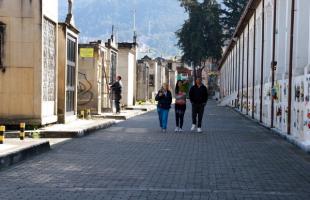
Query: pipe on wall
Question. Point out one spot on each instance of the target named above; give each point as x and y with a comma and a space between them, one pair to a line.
239, 71
290, 72
234, 71
247, 71
254, 60
262, 63
242, 73
273, 62
236, 66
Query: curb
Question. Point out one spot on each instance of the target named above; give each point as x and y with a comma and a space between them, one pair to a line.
140, 111
66, 134
76, 134
23, 154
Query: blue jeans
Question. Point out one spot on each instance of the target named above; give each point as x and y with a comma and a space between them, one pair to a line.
163, 117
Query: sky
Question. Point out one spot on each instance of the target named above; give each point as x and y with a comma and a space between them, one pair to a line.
156, 22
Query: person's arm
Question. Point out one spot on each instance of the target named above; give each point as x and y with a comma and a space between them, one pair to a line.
158, 97
170, 98
113, 86
191, 94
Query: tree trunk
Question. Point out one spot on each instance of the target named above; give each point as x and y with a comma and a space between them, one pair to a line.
195, 72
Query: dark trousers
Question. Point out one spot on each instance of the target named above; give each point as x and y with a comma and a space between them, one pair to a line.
179, 115
117, 106
197, 110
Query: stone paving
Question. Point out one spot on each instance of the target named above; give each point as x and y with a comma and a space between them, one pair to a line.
233, 159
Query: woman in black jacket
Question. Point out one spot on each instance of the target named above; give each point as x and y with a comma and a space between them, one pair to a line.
164, 99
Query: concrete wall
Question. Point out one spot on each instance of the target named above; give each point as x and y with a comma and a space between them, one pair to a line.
112, 48
21, 84
241, 70
153, 89
142, 81
127, 69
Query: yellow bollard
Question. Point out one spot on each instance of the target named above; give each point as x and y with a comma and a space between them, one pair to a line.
82, 114
2, 130
88, 115
22, 131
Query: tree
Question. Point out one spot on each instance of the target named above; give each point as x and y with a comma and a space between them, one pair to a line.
213, 29
200, 37
232, 12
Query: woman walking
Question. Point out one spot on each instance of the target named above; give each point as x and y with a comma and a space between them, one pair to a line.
164, 98
180, 106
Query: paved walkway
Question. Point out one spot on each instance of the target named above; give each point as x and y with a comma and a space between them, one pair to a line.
233, 159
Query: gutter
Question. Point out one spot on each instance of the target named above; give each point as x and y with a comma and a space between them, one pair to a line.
247, 72
239, 71
242, 74
254, 60
289, 117
273, 63
262, 64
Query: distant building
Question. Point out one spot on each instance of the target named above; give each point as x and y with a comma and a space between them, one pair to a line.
161, 73
184, 72
210, 75
143, 73
173, 73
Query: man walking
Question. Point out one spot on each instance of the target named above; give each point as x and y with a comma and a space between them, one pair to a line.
117, 93
198, 96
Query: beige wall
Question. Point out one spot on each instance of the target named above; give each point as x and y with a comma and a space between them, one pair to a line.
106, 98
92, 79
21, 83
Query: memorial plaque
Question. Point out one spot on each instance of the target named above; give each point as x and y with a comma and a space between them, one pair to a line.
49, 60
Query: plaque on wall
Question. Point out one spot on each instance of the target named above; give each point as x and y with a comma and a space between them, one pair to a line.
49, 60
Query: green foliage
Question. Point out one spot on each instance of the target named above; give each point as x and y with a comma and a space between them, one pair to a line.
35, 134
213, 29
232, 12
200, 37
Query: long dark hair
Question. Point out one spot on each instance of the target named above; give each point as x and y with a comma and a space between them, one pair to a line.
177, 88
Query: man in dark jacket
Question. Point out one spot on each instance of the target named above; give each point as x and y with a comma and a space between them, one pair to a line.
117, 93
198, 95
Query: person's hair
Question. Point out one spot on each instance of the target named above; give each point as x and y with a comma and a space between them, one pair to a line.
167, 85
119, 77
177, 88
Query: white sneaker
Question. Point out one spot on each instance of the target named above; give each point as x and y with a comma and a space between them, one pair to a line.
199, 130
163, 130
193, 127
180, 130
176, 129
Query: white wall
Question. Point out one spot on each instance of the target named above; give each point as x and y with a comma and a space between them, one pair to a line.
300, 108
